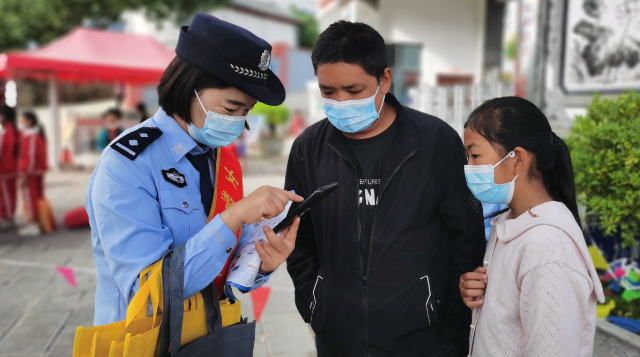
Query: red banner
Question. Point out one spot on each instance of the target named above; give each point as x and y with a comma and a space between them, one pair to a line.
227, 191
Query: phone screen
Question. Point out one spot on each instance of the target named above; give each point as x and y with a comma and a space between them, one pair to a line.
300, 209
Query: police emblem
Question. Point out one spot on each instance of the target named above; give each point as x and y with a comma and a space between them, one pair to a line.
178, 148
174, 177
265, 60
133, 142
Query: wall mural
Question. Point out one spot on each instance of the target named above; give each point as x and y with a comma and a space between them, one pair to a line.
601, 45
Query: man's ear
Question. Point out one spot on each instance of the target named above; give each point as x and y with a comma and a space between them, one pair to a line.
385, 81
522, 160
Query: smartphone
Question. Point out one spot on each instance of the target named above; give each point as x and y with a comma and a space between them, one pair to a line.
300, 209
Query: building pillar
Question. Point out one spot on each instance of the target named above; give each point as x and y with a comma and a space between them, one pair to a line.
54, 124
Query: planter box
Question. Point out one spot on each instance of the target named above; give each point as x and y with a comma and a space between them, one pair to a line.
271, 146
611, 340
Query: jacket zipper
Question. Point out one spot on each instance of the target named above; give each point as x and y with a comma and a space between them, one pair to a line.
365, 340
475, 316
373, 228
314, 303
366, 270
426, 305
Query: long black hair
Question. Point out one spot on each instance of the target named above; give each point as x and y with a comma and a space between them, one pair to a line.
8, 113
509, 122
33, 119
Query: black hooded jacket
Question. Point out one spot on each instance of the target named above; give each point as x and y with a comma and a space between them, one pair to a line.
427, 231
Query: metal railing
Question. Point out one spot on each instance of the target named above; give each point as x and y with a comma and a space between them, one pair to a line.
453, 104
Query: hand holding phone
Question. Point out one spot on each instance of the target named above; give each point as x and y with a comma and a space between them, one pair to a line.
310, 202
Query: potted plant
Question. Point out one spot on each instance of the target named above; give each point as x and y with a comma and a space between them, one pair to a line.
274, 117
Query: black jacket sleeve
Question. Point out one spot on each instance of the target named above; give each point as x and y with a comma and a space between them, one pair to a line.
463, 223
302, 264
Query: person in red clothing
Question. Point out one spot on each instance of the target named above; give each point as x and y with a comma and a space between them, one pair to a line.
297, 124
31, 167
9, 141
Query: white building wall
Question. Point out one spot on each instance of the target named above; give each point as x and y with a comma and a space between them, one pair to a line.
166, 32
272, 31
451, 32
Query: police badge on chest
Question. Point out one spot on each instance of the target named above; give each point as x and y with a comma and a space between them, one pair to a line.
174, 177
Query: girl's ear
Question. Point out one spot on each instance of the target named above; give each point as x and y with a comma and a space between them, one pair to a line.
522, 161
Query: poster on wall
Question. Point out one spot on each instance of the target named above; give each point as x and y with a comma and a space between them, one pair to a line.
601, 46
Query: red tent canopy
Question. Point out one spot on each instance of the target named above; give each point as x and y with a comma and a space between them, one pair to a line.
86, 55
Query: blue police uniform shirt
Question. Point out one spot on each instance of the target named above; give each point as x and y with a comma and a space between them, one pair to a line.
488, 209
137, 215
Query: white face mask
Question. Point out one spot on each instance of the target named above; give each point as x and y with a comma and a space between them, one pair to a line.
352, 116
219, 130
481, 182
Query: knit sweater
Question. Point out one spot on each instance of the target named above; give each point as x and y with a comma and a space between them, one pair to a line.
542, 288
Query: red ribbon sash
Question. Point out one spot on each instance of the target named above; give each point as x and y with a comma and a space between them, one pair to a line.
227, 191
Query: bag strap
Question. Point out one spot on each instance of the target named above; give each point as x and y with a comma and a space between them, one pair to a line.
166, 307
212, 307
173, 314
176, 297
148, 289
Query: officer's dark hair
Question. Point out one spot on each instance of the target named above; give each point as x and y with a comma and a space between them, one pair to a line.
351, 42
175, 91
8, 113
510, 122
33, 120
113, 111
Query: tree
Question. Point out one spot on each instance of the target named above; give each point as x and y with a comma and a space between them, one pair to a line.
308, 31
273, 116
41, 21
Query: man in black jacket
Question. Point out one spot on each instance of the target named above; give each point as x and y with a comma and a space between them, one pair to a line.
377, 263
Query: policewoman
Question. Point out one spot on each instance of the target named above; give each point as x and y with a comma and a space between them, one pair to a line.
171, 180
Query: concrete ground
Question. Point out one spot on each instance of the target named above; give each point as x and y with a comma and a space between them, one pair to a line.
40, 310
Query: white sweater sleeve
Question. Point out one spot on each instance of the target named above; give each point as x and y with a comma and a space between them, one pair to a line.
554, 310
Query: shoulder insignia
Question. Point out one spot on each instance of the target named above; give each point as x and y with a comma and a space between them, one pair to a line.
134, 143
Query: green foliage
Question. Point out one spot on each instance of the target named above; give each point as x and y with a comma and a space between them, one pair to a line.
511, 48
41, 21
629, 310
273, 115
605, 151
307, 32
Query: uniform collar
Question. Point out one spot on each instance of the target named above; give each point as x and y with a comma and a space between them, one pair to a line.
178, 141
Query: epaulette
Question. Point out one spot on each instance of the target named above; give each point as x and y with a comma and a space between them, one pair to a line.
134, 143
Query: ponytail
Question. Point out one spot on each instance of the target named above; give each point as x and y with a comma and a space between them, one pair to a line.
559, 178
509, 122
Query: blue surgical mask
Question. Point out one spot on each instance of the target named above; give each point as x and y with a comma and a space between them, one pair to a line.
352, 116
219, 130
481, 182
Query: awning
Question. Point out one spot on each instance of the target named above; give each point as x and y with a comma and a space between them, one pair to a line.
92, 55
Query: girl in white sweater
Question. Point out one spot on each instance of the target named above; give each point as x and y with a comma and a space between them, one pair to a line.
536, 293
